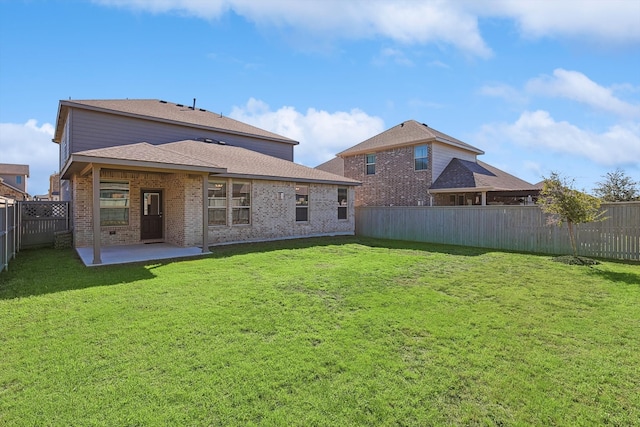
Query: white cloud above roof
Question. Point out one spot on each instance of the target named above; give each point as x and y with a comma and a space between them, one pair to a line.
321, 134
618, 145
446, 23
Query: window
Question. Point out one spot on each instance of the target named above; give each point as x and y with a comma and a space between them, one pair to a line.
342, 203
18, 179
302, 203
217, 203
114, 203
421, 157
370, 160
241, 203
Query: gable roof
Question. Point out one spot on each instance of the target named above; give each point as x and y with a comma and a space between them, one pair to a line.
463, 174
198, 156
335, 165
167, 112
406, 133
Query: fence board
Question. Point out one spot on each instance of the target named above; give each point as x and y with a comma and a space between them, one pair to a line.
8, 231
518, 228
39, 221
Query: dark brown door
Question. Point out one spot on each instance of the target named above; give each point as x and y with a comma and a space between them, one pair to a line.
151, 216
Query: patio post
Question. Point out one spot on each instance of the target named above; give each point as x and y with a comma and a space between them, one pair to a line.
205, 213
96, 215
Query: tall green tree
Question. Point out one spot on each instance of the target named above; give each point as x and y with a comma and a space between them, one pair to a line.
564, 204
617, 187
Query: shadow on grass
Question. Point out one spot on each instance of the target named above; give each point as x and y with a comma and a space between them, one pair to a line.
42, 271
618, 277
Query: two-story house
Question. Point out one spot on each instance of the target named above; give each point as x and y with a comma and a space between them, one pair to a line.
412, 164
13, 181
142, 171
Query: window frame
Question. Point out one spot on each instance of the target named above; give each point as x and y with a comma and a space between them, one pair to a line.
302, 202
370, 166
424, 160
241, 205
216, 208
343, 203
126, 208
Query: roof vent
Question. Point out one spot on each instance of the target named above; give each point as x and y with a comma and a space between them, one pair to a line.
202, 109
163, 102
179, 105
222, 143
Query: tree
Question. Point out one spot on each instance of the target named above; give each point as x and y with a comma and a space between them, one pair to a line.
617, 187
563, 204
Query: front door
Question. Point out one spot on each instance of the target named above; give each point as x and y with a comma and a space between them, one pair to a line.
151, 226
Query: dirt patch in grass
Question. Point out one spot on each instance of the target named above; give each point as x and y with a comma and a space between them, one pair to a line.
575, 260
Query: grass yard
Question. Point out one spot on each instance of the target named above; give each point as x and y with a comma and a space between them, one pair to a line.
320, 332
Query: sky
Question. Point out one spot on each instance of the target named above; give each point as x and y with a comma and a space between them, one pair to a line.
539, 86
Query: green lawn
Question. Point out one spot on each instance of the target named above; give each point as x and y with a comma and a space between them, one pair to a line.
338, 332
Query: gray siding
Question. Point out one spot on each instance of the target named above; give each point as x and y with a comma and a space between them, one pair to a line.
442, 155
91, 130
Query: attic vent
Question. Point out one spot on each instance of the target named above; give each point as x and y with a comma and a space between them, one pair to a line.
202, 109
208, 140
179, 105
424, 124
163, 102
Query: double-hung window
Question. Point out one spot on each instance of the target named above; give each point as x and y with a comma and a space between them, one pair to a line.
370, 164
420, 155
342, 203
217, 203
302, 203
114, 203
241, 202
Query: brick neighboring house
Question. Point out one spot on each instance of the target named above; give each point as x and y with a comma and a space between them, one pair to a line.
155, 171
412, 164
13, 181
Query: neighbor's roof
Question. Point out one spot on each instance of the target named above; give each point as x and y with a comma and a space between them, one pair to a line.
406, 133
12, 169
168, 112
464, 174
335, 165
198, 156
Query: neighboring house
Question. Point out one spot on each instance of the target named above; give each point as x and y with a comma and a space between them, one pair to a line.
13, 181
54, 187
150, 170
413, 164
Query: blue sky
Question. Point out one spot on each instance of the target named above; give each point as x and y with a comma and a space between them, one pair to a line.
540, 86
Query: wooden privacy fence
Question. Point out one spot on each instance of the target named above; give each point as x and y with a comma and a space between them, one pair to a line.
39, 221
516, 228
8, 231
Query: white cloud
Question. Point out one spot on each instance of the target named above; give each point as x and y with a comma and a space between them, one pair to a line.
30, 144
578, 87
321, 134
612, 21
619, 145
394, 55
404, 22
447, 23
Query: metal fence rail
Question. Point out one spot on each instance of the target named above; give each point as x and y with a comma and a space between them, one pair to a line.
517, 228
8, 231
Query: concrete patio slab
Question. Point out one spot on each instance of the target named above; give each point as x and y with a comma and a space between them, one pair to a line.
137, 253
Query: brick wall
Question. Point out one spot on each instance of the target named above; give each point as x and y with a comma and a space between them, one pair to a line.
271, 217
395, 183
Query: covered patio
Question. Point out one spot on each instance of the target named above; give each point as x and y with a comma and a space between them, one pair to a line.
122, 254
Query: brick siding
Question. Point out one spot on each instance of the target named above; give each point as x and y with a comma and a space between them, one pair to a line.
395, 183
271, 217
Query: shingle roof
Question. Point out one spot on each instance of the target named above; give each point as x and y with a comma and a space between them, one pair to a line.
242, 162
406, 133
154, 109
13, 169
201, 156
466, 174
335, 165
